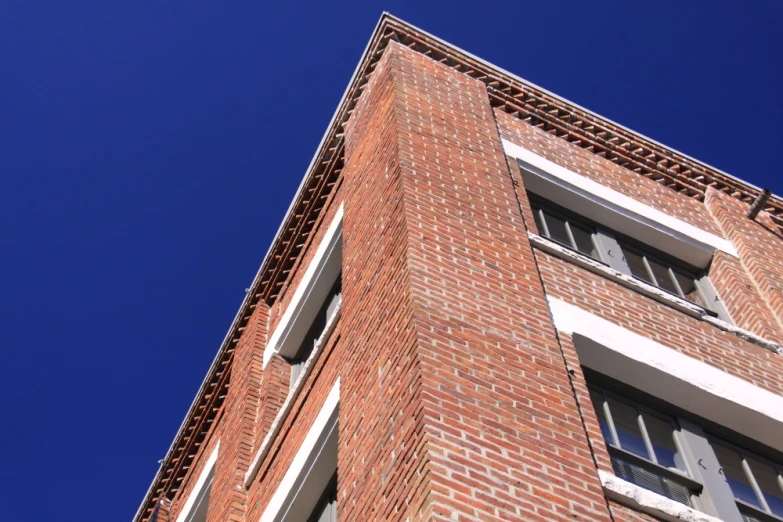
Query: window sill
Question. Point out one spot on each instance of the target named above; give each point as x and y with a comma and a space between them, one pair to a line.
282, 415
653, 292
648, 502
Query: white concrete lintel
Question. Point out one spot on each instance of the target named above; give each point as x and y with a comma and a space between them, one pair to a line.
635, 215
672, 376
309, 294
200, 483
276, 509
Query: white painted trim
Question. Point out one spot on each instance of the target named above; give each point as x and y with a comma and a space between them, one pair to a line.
618, 202
282, 497
649, 502
301, 308
672, 376
202, 479
266, 444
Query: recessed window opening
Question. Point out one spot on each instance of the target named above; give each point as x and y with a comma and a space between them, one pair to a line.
566, 231
315, 333
679, 456
643, 446
326, 509
626, 255
756, 483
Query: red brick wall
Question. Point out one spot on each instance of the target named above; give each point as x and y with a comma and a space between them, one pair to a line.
228, 497
760, 245
506, 439
383, 472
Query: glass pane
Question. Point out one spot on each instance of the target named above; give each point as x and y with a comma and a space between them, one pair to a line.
584, 241
731, 462
598, 405
767, 479
661, 434
689, 289
557, 229
636, 264
626, 424
662, 276
539, 223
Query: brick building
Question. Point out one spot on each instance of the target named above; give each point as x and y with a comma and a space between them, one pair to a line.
488, 303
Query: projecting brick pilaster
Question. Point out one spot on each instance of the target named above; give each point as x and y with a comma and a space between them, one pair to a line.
466, 405
238, 433
757, 307
382, 472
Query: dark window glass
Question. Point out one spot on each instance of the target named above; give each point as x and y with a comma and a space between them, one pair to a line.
769, 484
731, 462
584, 241
557, 229
640, 430
539, 222
626, 423
661, 435
688, 286
651, 481
636, 264
662, 276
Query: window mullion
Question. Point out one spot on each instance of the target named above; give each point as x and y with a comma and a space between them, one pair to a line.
653, 279
645, 435
676, 283
703, 465
542, 216
610, 420
611, 252
570, 235
753, 483
705, 288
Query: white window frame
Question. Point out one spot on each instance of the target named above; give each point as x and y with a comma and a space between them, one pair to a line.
309, 295
311, 469
203, 483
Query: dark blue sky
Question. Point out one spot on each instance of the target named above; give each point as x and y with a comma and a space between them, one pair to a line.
149, 150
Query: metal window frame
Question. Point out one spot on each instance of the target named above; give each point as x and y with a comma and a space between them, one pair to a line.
683, 477
609, 246
744, 453
695, 445
541, 210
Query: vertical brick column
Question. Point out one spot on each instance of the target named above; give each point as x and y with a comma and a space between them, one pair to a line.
506, 441
757, 306
382, 474
238, 430
455, 399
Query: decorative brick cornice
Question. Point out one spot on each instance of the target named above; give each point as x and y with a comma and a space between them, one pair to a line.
513, 95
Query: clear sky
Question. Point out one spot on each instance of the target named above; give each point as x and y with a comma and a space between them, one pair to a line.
149, 150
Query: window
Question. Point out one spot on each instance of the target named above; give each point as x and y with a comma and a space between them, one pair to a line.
566, 231
756, 483
315, 333
326, 509
679, 458
643, 446
626, 256
307, 491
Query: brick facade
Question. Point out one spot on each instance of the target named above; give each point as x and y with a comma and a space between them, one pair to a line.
459, 397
